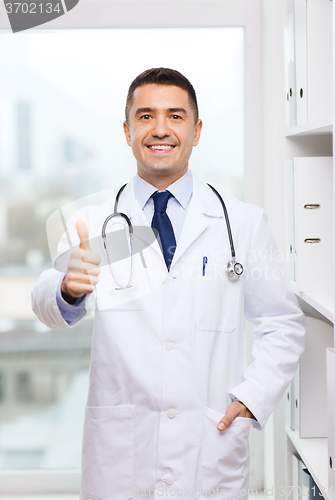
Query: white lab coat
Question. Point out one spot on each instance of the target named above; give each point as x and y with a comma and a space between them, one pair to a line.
167, 354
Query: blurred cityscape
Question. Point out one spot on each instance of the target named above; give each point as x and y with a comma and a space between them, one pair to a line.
62, 101
43, 388
48, 157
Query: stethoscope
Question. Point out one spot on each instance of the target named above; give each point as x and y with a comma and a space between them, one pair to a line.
233, 269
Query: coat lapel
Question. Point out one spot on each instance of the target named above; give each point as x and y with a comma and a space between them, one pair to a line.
202, 206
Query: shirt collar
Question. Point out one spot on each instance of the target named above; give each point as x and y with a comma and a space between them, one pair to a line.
181, 189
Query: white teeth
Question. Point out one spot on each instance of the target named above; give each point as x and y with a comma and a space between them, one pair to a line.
161, 147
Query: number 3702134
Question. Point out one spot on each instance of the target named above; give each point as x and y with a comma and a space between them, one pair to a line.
33, 8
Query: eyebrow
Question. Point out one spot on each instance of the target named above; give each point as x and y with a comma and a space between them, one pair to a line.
151, 110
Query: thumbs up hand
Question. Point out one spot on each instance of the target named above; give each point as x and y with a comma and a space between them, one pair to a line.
83, 270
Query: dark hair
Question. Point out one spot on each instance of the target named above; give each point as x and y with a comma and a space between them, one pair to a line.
163, 76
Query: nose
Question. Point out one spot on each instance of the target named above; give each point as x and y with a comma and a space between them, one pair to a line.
160, 127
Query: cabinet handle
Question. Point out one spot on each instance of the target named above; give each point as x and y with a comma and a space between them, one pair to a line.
312, 240
312, 206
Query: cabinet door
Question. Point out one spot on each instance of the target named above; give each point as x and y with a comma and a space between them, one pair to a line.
313, 212
319, 59
331, 421
313, 380
300, 24
290, 85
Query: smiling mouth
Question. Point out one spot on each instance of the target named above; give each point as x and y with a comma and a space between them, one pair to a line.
161, 147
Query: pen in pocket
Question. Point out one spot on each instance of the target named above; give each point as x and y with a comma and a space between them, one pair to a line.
204, 262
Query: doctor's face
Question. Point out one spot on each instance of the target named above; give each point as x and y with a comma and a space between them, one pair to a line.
161, 131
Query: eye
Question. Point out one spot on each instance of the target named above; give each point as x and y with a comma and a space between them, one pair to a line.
176, 117
145, 117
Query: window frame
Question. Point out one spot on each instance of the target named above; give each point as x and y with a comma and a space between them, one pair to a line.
110, 14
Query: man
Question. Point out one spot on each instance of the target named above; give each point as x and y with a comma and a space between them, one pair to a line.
169, 408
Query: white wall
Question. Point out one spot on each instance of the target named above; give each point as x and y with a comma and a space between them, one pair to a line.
273, 195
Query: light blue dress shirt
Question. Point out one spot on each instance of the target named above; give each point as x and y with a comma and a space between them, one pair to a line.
181, 190
177, 205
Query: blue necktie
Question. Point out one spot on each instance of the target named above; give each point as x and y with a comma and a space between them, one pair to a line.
162, 223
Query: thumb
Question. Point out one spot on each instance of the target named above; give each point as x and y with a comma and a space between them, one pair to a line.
231, 413
83, 234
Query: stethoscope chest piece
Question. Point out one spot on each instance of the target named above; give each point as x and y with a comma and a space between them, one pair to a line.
234, 270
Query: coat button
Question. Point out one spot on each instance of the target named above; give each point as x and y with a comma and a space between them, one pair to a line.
168, 346
171, 413
169, 480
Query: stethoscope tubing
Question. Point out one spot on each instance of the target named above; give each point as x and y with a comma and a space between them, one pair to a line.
234, 269
225, 211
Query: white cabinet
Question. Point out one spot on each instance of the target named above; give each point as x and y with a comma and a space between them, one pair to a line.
313, 58
319, 59
309, 388
308, 151
310, 223
331, 421
290, 83
300, 37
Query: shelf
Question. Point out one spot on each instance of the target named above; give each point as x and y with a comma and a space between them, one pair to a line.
319, 127
314, 453
323, 302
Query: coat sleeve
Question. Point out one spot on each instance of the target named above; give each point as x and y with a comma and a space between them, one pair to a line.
44, 293
279, 324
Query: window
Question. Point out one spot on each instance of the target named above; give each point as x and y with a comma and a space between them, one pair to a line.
2, 387
62, 106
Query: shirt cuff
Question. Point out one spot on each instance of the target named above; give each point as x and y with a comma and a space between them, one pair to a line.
69, 312
234, 398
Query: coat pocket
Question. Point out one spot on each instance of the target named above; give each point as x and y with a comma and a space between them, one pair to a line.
224, 459
108, 452
217, 303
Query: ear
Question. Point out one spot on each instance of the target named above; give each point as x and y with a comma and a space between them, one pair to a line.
127, 133
197, 132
